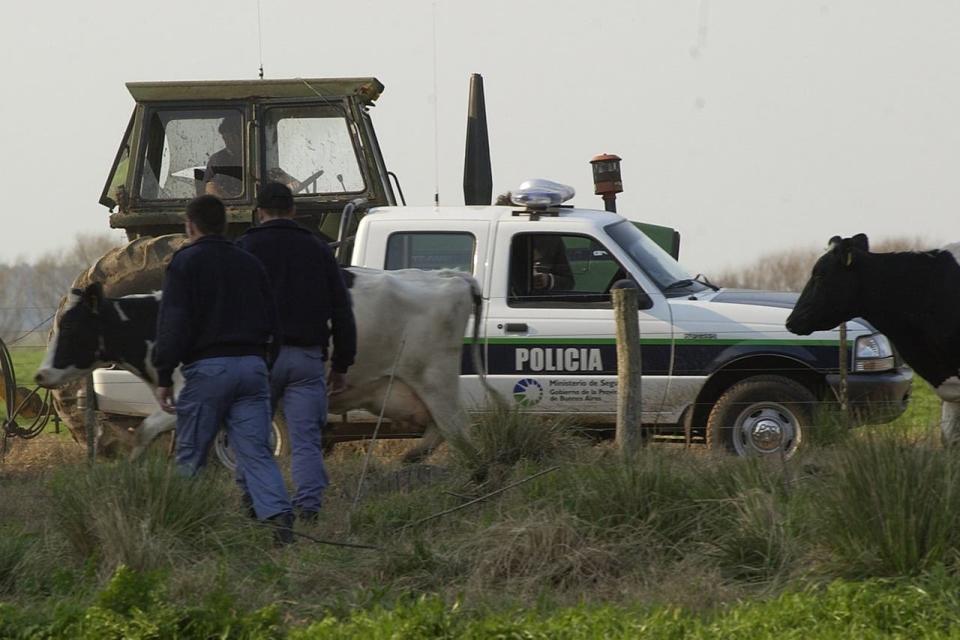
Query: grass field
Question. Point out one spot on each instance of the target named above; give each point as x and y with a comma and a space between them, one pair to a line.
856, 538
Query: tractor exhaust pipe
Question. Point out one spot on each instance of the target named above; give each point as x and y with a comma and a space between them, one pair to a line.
477, 175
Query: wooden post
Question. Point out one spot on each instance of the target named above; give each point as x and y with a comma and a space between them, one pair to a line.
844, 368
629, 437
90, 420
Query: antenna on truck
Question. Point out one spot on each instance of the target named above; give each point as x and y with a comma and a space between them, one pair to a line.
260, 38
436, 115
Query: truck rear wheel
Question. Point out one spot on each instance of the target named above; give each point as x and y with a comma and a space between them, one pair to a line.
761, 415
136, 267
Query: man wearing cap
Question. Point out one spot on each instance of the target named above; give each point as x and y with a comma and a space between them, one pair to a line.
313, 305
217, 317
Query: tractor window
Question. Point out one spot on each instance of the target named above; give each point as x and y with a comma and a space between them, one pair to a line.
553, 270
430, 250
311, 150
191, 152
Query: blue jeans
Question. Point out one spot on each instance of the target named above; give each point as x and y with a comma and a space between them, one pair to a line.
298, 379
234, 391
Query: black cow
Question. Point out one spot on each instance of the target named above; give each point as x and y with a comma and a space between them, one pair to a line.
911, 297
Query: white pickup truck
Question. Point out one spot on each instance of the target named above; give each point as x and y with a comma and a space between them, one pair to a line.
718, 364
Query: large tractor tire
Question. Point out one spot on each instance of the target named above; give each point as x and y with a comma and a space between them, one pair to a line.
136, 267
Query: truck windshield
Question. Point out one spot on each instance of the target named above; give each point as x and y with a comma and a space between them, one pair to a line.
669, 276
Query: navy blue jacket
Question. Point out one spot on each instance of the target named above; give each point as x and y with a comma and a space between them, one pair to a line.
216, 301
312, 298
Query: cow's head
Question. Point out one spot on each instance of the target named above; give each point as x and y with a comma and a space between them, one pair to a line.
77, 341
832, 294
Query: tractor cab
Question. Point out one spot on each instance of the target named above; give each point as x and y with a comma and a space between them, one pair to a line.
228, 138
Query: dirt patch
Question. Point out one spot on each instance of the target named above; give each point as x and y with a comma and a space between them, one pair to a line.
46, 451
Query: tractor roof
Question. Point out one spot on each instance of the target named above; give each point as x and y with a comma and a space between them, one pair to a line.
367, 89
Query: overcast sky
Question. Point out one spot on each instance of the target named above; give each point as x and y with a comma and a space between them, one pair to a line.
750, 125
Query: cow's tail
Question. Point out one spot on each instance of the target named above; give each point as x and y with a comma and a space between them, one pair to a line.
476, 349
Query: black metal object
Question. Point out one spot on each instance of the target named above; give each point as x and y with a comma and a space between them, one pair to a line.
8, 379
477, 174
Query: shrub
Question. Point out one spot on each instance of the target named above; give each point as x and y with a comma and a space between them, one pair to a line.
891, 505
504, 436
144, 515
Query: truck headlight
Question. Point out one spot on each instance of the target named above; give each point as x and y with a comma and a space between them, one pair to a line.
873, 353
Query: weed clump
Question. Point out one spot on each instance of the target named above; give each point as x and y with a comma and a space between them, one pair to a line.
144, 515
504, 436
892, 506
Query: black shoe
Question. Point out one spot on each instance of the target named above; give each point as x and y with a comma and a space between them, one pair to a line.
247, 503
283, 528
309, 517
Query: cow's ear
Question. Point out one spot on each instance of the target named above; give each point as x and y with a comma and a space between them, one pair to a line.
835, 243
860, 241
93, 295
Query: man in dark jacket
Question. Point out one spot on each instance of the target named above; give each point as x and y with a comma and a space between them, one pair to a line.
313, 302
217, 317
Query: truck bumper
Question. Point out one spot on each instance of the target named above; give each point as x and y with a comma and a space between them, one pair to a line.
875, 397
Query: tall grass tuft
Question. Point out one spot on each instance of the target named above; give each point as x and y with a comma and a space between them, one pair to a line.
144, 515
505, 436
892, 506
13, 549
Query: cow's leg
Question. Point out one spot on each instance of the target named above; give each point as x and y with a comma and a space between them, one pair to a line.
949, 392
950, 423
448, 422
152, 426
425, 446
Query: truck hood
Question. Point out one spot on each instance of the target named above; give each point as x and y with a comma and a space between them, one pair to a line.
763, 314
776, 299
783, 299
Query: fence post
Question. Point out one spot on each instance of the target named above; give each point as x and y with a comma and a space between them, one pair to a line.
844, 394
629, 426
90, 419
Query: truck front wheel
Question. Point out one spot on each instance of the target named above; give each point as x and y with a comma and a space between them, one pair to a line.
761, 415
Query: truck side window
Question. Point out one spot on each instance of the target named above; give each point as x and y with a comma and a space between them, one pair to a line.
430, 250
554, 270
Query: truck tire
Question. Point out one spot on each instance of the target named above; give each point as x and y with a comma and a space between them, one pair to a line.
136, 267
761, 415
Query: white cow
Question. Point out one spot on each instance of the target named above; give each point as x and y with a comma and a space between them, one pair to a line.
410, 327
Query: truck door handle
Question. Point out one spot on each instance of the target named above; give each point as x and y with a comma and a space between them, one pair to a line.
516, 327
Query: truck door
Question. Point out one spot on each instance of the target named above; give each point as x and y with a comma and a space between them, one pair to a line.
550, 328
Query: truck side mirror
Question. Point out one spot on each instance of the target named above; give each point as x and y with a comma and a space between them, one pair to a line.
644, 301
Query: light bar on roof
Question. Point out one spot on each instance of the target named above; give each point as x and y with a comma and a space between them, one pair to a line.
542, 193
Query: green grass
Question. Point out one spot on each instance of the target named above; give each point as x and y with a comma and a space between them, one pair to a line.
852, 537
135, 606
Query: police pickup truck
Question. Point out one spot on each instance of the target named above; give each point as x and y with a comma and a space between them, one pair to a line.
718, 365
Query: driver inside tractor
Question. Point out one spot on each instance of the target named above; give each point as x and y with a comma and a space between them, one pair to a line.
223, 176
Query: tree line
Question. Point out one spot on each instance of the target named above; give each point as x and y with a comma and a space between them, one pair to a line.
31, 290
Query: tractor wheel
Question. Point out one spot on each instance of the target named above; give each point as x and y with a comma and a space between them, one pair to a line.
136, 267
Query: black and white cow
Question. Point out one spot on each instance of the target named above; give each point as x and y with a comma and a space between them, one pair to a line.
911, 297
410, 324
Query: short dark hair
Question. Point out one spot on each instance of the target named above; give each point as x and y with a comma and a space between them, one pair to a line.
208, 214
230, 122
275, 197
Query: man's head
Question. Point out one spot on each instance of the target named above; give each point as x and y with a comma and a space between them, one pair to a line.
275, 200
230, 129
205, 215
